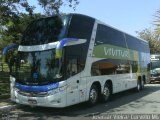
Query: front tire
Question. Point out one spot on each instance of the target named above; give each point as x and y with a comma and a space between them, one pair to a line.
138, 87
93, 95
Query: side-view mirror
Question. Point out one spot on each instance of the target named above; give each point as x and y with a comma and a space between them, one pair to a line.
67, 42
6, 49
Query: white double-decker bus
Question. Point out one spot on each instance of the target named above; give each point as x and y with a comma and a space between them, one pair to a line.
69, 59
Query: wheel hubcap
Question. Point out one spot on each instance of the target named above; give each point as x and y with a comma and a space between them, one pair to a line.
106, 92
138, 86
93, 95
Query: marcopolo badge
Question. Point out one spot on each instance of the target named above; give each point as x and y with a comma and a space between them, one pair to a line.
35, 75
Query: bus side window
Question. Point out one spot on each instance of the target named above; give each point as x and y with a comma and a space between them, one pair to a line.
95, 70
72, 68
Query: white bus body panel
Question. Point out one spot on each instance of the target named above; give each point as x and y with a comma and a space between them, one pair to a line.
55, 97
69, 92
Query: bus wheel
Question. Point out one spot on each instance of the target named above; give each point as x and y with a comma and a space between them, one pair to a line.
138, 88
93, 95
142, 84
106, 93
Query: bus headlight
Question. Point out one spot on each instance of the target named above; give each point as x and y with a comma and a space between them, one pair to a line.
52, 92
58, 90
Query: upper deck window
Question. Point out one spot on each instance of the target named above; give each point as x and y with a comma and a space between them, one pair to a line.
45, 30
108, 35
81, 27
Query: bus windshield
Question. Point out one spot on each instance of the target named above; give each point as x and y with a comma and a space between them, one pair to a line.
45, 30
37, 68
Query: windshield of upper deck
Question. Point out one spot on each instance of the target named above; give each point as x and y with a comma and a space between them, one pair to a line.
45, 30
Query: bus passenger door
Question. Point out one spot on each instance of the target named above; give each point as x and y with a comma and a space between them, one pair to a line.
72, 81
82, 89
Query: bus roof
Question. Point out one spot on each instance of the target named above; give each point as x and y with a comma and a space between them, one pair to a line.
108, 26
100, 23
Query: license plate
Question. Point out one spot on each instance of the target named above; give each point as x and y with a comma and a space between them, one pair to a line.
31, 101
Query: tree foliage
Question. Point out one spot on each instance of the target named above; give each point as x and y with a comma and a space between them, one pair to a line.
12, 8
12, 31
15, 15
153, 38
52, 6
157, 22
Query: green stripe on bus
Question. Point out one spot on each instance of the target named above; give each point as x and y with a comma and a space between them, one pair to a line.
114, 52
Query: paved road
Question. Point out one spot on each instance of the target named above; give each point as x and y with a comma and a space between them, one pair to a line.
124, 105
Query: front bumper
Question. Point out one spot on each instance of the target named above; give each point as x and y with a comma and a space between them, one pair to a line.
54, 98
57, 100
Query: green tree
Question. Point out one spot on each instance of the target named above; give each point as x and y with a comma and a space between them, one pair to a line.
16, 14
12, 8
153, 38
52, 6
157, 22
12, 31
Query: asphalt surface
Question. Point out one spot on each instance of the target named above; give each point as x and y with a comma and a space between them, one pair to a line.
125, 105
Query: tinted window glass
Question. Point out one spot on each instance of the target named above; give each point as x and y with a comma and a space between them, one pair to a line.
81, 27
37, 68
108, 35
45, 30
136, 44
74, 61
134, 66
110, 67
